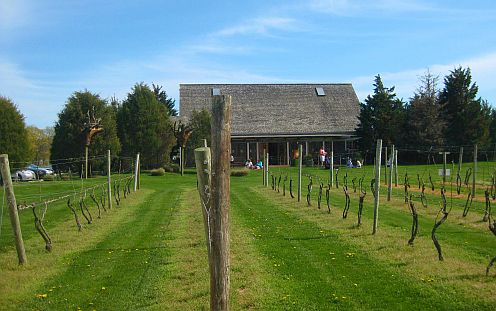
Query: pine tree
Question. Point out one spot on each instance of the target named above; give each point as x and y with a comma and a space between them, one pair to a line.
200, 122
424, 125
464, 115
382, 116
162, 98
144, 127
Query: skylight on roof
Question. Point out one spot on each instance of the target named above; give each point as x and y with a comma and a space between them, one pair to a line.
320, 91
215, 92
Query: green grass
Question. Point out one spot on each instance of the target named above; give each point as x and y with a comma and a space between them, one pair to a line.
150, 252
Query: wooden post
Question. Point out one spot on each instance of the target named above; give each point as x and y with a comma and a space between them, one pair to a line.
396, 167
139, 173
258, 156
109, 181
203, 163
181, 162
220, 201
390, 174
11, 202
136, 172
444, 153
331, 165
460, 160
378, 152
444, 168
86, 163
264, 168
474, 171
247, 150
300, 164
267, 170
385, 166
306, 148
288, 157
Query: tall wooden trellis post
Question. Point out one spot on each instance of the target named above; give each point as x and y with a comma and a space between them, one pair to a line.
213, 169
300, 164
474, 171
377, 183
11, 201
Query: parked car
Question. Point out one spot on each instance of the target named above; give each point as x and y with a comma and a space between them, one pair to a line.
40, 171
24, 175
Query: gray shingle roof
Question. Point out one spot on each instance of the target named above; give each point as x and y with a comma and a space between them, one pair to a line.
280, 109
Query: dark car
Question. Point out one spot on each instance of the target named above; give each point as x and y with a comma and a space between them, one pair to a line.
40, 171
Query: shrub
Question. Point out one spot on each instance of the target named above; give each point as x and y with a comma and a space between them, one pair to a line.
239, 173
49, 178
157, 172
308, 160
171, 168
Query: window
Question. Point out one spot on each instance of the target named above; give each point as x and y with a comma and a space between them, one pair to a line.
215, 92
320, 91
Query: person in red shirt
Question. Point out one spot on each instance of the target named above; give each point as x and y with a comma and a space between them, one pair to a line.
322, 155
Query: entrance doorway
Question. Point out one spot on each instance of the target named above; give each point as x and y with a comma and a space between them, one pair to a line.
277, 154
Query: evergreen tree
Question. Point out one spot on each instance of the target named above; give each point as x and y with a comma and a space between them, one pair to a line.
13, 134
144, 127
69, 139
464, 114
382, 116
162, 98
424, 125
200, 122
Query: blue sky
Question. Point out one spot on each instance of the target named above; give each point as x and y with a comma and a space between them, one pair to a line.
49, 49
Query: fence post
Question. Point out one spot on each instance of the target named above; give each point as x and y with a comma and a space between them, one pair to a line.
474, 173
460, 160
444, 153
396, 167
300, 162
267, 171
139, 173
264, 167
390, 174
181, 162
11, 202
378, 152
385, 166
136, 172
86, 162
220, 201
203, 163
331, 166
109, 180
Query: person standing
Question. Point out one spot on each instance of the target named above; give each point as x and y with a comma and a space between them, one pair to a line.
322, 155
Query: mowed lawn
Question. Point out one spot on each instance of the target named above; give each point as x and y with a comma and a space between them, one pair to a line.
150, 253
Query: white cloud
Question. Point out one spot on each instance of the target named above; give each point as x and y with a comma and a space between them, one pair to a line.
259, 26
355, 7
483, 69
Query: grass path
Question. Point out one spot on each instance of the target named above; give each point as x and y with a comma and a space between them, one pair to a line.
321, 270
150, 254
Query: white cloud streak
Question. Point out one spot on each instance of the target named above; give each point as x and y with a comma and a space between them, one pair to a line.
258, 26
356, 7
